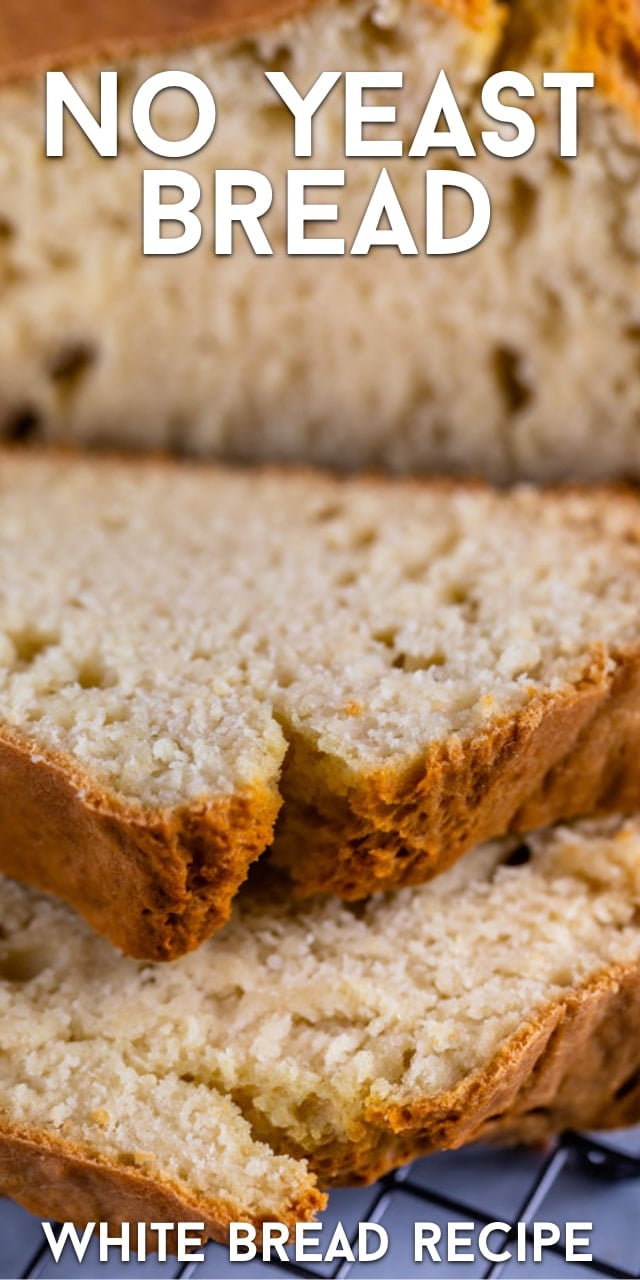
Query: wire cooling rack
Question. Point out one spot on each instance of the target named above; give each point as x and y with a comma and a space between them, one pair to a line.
583, 1178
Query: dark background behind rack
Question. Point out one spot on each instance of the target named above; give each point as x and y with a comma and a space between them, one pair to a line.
583, 1178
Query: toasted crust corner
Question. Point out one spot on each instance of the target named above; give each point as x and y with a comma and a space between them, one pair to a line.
606, 40
53, 1178
155, 884
570, 753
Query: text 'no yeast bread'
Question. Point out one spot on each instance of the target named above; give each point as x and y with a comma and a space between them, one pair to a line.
396, 670
137, 1091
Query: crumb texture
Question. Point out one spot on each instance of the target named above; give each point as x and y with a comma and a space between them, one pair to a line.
168, 628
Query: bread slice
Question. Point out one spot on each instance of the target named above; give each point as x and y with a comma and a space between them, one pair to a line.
500, 1001
407, 669
88, 1132
543, 318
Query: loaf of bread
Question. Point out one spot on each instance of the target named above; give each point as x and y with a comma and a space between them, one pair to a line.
400, 670
518, 359
510, 1010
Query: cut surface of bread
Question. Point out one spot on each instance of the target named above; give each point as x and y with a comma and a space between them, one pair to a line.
86, 1135
403, 669
500, 1001
505, 361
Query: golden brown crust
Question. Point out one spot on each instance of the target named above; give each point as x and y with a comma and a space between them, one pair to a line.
606, 40
55, 1179
575, 1064
601, 36
56, 32
566, 754
155, 883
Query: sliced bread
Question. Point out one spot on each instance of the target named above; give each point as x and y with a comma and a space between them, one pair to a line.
408, 669
517, 359
86, 1133
501, 1001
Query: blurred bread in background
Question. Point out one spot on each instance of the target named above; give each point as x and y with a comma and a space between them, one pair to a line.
519, 358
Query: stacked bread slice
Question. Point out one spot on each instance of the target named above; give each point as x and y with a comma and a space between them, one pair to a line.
390, 672
318, 1042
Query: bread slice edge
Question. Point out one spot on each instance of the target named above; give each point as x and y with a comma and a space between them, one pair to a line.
55, 1178
568, 753
155, 883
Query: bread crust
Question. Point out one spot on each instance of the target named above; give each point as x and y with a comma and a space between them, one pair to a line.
568, 753
605, 38
575, 1064
156, 884
62, 32
54, 1178
601, 36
